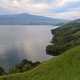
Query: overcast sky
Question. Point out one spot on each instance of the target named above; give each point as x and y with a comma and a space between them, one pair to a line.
67, 9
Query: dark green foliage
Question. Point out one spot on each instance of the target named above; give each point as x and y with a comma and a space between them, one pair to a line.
25, 65
2, 72
64, 37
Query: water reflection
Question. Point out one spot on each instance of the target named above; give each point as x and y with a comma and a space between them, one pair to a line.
19, 42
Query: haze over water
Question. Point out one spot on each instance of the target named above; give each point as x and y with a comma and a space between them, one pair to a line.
19, 42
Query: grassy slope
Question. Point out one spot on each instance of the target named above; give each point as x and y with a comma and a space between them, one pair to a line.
63, 67
64, 38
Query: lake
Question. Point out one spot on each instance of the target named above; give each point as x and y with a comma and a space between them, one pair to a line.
20, 42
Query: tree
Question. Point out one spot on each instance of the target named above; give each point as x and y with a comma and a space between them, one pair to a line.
2, 72
24, 65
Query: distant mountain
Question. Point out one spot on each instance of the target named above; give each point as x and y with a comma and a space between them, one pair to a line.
27, 19
76, 21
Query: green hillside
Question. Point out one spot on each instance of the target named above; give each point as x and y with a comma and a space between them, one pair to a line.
65, 46
64, 38
63, 67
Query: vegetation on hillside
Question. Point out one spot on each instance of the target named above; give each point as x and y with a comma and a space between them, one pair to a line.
24, 65
63, 67
64, 38
2, 72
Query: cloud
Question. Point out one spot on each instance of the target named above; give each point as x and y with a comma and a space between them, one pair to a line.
67, 8
63, 3
25, 5
65, 15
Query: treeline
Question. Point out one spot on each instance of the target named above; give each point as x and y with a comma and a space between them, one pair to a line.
64, 38
23, 66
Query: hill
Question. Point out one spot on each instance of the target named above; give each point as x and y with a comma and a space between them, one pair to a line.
63, 67
64, 38
28, 19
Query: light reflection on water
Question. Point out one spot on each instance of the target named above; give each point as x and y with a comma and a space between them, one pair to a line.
19, 42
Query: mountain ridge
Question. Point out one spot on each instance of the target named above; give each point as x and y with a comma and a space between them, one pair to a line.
28, 19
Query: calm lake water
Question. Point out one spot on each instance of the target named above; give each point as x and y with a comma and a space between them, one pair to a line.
19, 42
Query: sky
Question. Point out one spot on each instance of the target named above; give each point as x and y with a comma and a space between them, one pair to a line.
63, 9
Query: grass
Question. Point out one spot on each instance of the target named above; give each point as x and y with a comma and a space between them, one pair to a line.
63, 67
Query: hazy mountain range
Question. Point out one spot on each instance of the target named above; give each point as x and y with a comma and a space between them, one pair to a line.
28, 19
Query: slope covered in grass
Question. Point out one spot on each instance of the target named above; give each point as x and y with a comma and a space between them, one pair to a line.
64, 38
63, 67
